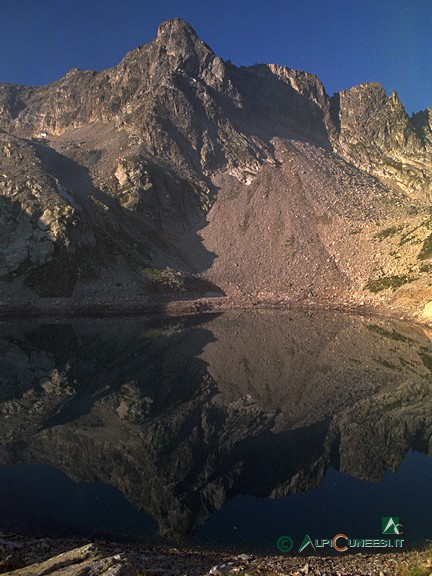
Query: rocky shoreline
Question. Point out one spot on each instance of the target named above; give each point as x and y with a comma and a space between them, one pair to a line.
21, 556
68, 307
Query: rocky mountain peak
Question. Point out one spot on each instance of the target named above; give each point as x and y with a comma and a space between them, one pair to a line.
180, 161
176, 27
377, 135
186, 52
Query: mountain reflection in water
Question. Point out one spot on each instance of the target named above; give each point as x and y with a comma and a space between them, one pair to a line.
184, 414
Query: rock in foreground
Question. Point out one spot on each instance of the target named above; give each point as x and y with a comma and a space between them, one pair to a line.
103, 559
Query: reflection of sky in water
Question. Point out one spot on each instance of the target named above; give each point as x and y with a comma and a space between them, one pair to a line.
201, 419
339, 504
42, 500
39, 499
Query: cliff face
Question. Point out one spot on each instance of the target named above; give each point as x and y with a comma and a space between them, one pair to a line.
377, 135
178, 172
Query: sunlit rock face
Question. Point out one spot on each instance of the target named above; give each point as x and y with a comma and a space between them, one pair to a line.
377, 135
176, 174
183, 415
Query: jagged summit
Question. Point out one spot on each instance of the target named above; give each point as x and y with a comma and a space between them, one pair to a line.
177, 27
182, 45
175, 170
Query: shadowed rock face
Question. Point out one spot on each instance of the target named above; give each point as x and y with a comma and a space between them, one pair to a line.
178, 414
177, 172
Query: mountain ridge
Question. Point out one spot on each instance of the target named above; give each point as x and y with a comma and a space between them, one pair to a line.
158, 174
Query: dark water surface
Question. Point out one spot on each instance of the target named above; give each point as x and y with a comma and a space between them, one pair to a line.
219, 430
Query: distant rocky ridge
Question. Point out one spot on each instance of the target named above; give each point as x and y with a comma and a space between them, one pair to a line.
176, 173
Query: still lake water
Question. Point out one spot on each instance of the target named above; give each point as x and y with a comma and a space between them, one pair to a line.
216, 430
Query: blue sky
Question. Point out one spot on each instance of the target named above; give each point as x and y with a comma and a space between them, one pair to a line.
344, 42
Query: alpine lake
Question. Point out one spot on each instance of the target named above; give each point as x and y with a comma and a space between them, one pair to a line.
256, 431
